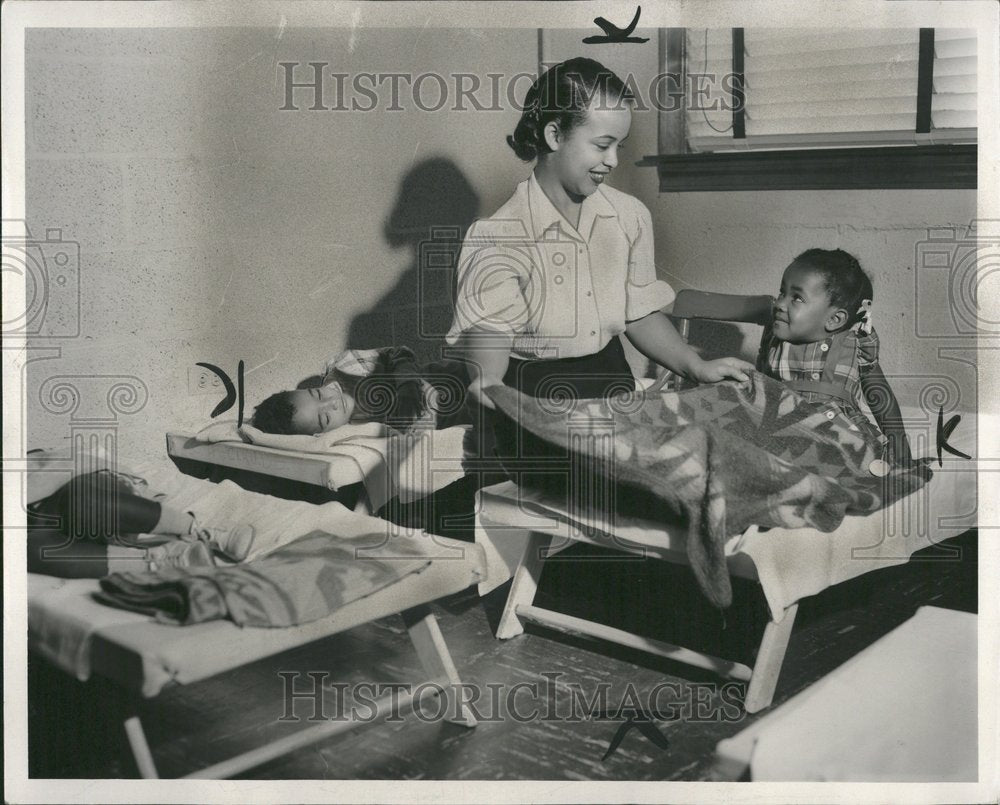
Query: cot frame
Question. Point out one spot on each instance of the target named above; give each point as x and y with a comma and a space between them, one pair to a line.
219, 460
762, 677
425, 634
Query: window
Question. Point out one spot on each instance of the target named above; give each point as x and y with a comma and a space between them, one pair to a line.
809, 109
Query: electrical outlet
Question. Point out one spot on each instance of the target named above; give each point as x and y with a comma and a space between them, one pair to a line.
204, 381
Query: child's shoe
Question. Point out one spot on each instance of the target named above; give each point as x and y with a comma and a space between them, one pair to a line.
180, 554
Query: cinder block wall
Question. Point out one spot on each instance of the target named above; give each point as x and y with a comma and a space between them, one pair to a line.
213, 226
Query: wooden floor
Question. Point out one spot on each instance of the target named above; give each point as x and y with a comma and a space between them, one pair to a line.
74, 728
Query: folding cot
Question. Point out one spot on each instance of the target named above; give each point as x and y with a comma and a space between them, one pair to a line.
362, 472
83, 637
520, 528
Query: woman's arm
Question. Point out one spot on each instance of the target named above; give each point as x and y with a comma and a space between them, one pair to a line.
878, 393
656, 338
487, 354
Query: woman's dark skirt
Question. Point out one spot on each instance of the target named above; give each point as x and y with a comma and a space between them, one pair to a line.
530, 461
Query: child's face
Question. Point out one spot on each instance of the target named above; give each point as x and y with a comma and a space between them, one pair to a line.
589, 152
322, 409
802, 312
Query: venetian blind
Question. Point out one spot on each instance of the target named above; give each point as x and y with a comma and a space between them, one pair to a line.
821, 88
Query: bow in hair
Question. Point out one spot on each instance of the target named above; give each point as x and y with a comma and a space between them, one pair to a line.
865, 311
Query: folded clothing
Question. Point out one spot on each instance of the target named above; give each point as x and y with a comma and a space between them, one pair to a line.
307, 579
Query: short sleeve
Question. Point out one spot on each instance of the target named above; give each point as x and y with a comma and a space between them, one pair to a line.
867, 349
644, 293
488, 294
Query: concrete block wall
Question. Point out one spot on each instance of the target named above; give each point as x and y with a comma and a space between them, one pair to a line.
215, 227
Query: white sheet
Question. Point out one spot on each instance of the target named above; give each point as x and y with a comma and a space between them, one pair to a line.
790, 563
63, 617
276, 521
903, 710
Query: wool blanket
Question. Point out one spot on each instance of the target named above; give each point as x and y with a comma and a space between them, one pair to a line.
307, 579
716, 458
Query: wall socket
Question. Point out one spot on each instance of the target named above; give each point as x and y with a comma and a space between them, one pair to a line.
204, 381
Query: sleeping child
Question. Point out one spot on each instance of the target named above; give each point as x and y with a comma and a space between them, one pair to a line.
821, 344
377, 385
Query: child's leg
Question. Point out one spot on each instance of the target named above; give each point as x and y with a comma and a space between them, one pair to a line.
99, 507
51, 555
173, 522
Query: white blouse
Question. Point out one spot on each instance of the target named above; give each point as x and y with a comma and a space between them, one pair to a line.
560, 292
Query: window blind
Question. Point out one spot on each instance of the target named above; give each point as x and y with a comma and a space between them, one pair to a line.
822, 88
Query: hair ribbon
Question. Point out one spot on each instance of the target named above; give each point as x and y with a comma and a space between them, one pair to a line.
865, 311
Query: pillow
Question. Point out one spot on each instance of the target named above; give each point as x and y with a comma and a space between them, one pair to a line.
319, 443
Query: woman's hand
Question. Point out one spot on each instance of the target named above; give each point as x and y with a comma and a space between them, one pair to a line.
721, 369
656, 338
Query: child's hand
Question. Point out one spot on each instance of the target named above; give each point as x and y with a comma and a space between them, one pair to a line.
722, 369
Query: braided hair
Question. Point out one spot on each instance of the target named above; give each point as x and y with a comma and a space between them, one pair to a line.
563, 94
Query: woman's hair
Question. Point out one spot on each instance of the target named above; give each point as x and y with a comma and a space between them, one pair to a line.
563, 94
846, 282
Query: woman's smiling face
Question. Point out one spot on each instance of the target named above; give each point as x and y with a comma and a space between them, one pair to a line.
583, 158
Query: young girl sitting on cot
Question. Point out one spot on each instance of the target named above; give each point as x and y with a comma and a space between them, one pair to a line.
103, 522
821, 344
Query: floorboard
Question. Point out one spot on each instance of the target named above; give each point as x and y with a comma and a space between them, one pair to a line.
74, 728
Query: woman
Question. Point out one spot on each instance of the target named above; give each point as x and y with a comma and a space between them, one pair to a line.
548, 283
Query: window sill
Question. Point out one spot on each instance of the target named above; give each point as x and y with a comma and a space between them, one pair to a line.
932, 167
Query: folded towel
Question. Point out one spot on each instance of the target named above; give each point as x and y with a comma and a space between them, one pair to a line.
307, 579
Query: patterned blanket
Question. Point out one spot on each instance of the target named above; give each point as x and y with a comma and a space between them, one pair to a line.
303, 581
717, 458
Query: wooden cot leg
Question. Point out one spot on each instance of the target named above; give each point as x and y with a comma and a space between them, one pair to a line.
140, 748
425, 634
525, 584
770, 656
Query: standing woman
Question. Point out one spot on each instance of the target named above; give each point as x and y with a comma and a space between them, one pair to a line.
549, 283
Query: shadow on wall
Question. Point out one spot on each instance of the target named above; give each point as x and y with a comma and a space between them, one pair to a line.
434, 208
